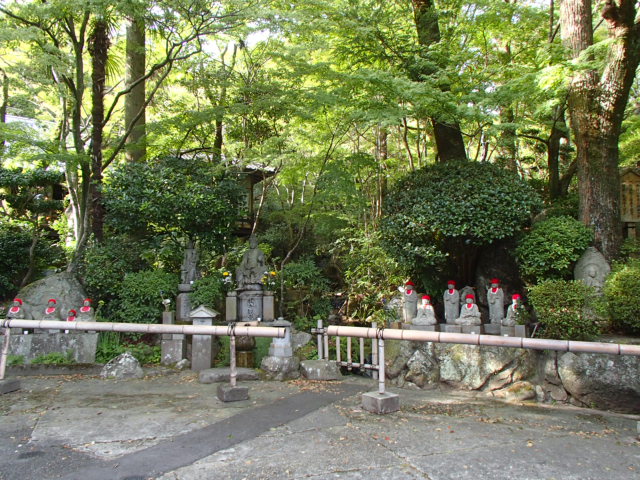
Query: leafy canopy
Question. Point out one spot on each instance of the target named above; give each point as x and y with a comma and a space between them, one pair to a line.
184, 197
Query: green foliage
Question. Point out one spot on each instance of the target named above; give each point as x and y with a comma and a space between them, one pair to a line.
306, 285
566, 309
145, 354
141, 294
564, 207
208, 291
110, 345
471, 202
188, 198
261, 350
13, 360
549, 250
371, 276
15, 243
106, 264
621, 294
54, 358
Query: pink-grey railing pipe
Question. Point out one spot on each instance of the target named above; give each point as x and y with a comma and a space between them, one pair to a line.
217, 330
487, 340
231, 330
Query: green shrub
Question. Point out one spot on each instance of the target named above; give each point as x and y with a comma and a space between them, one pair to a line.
106, 264
306, 286
110, 345
566, 309
620, 291
208, 291
54, 358
144, 353
15, 360
551, 248
141, 294
439, 209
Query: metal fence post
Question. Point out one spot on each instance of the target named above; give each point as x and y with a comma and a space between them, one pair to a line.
374, 352
319, 330
381, 366
5, 352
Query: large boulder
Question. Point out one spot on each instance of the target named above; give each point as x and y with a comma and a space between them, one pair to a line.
483, 368
320, 370
64, 287
280, 368
602, 381
122, 367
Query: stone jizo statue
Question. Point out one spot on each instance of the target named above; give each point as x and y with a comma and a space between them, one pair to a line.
512, 312
451, 299
87, 314
252, 267
469, 313
409, 301
16, 310
495, 299
426, 314
51, 311
592, 268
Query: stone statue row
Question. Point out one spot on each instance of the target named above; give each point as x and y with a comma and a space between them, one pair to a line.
460, 307
52, 312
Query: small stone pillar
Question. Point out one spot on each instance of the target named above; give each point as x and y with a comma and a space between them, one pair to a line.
268, 310
174, 345
231, 311
202, 345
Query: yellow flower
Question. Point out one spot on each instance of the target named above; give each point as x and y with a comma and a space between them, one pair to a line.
273, 274
225, 274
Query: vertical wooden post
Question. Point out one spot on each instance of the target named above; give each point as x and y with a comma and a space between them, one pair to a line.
374, 352
232, 360
381, 366
5, 352
320, 354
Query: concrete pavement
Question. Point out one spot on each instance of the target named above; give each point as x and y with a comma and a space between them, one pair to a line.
173, 428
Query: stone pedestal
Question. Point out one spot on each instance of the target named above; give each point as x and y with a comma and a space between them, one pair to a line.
201, 345
424, 328
9, 385
375, 402
521, 331
183, 307
174, 345
475, 329
250, 305
281, 347
245, 359
227, 393
492, 329
281, 364
448, 328
508, 331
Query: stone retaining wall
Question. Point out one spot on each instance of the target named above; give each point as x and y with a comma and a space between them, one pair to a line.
83, 345
591, 380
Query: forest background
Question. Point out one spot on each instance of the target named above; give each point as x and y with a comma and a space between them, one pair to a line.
396, 140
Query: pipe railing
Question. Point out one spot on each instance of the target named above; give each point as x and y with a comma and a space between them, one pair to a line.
382, 334
231, 331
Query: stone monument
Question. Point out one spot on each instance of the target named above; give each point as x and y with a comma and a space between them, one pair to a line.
425, 319
16, 310
281, 364
202, 352
409, 302
188, 275
592, 268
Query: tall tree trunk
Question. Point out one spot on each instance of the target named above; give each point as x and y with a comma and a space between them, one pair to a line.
446, 132
136, 149
99, 50
558, 132
3, 109
596, 106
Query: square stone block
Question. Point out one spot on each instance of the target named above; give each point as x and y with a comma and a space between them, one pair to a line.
521, 331
492, 329
475, 329
9, 385
508, 331
172, 351
448, 328
375, 402
227, 393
